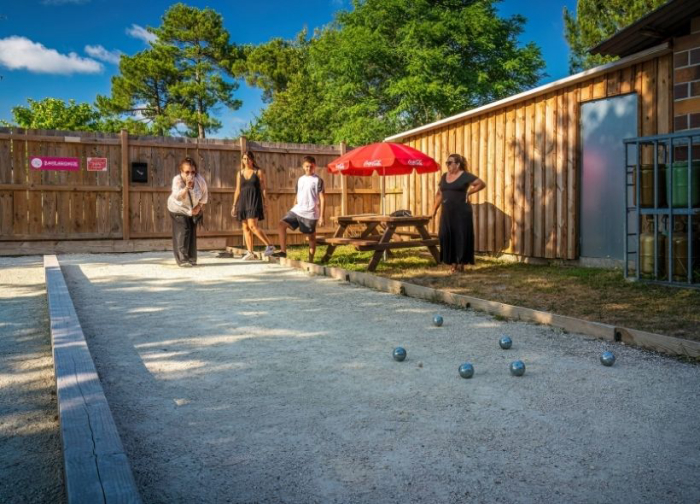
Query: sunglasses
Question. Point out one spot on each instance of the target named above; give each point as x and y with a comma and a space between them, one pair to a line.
448, 163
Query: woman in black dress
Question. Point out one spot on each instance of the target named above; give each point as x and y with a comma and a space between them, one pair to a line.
456, 224
249, 203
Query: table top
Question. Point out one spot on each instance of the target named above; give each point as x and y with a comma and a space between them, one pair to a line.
414, 219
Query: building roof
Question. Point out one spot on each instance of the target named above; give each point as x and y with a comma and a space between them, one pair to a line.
650, 53
670, 20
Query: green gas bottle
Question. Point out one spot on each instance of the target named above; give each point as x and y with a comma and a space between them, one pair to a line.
678, 194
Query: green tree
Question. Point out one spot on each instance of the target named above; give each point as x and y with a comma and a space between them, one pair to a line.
272, 65
142, 90
133, 126
55, 114
389, 65
596, 21
202, 55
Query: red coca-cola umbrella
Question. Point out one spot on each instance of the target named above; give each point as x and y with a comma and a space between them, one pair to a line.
386, 159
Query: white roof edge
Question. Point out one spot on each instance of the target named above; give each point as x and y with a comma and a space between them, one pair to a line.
566, 81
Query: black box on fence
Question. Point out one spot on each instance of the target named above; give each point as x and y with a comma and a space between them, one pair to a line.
139, 172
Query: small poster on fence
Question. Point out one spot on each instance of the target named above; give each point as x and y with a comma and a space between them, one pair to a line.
54, 163
97, 164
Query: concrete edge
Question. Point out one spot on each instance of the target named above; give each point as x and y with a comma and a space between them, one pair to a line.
95, 466
51, 247
669, 345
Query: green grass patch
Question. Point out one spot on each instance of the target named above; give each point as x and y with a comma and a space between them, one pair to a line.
597, 294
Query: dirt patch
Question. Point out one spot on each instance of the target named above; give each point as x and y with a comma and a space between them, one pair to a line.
247, 382
31, 463
599, 295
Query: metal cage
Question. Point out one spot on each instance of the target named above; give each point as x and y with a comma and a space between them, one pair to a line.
660, 199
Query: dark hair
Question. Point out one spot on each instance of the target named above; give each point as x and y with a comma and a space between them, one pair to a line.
461, 161
251, 156
309, 159
188, 160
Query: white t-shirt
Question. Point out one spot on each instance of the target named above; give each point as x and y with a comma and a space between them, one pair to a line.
199, 194
308, 189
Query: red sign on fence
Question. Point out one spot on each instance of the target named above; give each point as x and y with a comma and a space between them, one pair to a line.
55, 163
97, 164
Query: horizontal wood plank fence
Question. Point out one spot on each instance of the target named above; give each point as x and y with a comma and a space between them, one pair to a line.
105, 205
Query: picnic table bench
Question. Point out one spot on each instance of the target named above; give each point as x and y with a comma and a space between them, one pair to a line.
377, 235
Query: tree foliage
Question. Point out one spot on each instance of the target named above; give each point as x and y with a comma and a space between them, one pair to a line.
142, 89
181, 79
202, 57
390, 65
56, 114
271, 66
594, 22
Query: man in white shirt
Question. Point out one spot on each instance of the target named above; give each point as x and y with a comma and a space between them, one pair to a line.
308, 210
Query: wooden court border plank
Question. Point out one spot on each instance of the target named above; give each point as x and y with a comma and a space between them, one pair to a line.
96, 468
661, 343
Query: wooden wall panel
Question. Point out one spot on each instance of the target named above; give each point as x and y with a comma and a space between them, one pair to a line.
550, 178
509, 213
483, 175
528, 155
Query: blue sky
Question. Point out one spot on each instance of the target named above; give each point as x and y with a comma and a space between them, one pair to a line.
71, 46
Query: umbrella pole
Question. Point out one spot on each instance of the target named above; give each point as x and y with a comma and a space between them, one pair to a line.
383, 202
383, 190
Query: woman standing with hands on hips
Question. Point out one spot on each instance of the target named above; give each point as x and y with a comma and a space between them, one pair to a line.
185, 205
250, 202
456, 223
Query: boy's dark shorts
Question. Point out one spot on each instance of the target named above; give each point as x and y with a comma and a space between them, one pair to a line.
306, 226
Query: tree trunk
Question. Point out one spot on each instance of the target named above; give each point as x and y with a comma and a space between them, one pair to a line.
200, 126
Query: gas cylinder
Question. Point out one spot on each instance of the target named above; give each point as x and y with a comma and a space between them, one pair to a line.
647, 186
678, 194
646, 243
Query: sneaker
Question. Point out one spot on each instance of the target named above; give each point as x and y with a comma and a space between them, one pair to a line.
279, 254
269, 251
249, 257
185, 265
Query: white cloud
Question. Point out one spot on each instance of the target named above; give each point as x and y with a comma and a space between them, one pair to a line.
64, 2
17, 53
140, 32
100, 53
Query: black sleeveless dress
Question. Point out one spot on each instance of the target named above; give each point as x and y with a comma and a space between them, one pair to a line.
250, 203
456, 223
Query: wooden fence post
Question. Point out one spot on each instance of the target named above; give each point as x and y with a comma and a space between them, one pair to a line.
244, 145
124, 136
343, 185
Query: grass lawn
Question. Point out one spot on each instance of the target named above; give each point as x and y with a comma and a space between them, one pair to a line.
595, 294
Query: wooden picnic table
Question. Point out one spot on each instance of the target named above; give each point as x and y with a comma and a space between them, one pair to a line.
377, 235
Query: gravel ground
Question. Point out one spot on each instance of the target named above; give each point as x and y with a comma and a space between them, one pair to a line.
31, 465
249, 383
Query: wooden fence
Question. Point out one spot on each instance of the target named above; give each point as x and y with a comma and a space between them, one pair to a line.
89, 205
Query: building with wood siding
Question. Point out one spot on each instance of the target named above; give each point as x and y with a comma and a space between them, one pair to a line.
528, 148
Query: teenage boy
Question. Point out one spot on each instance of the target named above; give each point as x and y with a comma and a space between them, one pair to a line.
308, 210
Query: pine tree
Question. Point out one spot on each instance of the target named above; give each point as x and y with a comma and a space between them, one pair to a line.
202, 56
142, 89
